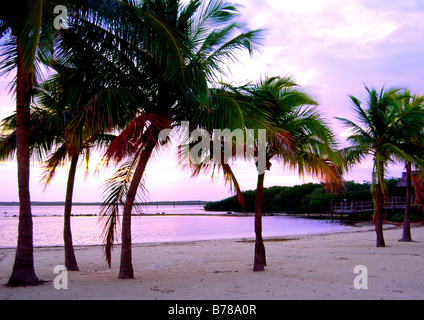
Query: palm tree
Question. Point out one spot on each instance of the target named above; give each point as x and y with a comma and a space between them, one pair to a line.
109, 32
79, 99
101, 89
380, 135
70, 100
301, 140
231, 111
28, 31
202, 32
412, 120
295, 135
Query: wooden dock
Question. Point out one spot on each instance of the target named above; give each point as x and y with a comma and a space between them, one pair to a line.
353, 207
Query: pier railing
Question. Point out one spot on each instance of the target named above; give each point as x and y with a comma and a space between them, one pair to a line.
352, 207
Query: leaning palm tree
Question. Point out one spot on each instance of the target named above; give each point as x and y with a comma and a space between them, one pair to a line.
204, 35
27, 30
100, 31
378, 134
121, 37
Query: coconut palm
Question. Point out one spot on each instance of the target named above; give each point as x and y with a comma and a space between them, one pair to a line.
87, 16
380, 133
301, 140
231, 113
27, 29
295, 135
120, 37
209, 31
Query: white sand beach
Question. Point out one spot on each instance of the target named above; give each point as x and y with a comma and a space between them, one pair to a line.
302, 267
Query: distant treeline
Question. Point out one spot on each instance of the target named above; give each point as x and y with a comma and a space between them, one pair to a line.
154, 203
306, 198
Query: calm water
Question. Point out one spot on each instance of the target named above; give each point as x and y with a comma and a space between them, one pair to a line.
86, 230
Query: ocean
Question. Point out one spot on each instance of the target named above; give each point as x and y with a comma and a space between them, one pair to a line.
162, 223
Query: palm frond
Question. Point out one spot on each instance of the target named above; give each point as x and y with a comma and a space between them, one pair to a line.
319, 167
229, 50
7, 147
56, 159
115, 192
134, 136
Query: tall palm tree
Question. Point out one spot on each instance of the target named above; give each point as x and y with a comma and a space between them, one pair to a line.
101, 89
120, 37
205, 35
301, 140
379, 134
295, 135
28, 31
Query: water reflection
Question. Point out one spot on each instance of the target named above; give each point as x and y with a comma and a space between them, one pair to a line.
48, 225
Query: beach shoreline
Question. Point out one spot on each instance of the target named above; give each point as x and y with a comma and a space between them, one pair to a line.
317, 266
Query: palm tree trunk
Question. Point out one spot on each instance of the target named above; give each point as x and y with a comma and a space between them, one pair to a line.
379, 216
70, 260
406, 235
23, 268
419, 193
126, 269
260, 257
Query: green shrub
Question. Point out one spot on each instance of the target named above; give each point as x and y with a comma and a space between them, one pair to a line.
305, 198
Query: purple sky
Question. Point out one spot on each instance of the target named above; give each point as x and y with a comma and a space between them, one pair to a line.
333, 47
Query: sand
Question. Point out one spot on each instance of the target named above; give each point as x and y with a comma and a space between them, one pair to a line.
302, 267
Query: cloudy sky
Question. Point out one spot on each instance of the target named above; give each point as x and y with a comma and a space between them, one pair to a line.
333, 47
